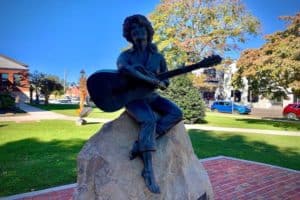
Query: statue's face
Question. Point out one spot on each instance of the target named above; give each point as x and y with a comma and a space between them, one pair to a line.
138, 33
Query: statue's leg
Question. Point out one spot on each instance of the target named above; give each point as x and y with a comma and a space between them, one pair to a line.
170, 115
143, 114
135, 151
148, 172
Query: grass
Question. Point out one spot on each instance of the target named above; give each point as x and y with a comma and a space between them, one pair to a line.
71, 110
212, 118
37, 155
272, 149
65, 109
244, 121
97, 113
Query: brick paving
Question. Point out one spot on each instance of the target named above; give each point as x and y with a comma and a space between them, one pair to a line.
231, 179
237, 179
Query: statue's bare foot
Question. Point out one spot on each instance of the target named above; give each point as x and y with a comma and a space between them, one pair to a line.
150, 181
134, 151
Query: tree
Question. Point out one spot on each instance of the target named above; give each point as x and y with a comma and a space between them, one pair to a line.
43, 84
273, 68
187, 97
50, 84
187, 30
35, 84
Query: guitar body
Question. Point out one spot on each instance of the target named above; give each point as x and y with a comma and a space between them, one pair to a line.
111, 90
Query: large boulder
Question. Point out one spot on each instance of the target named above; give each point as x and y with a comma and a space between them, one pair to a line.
105, 171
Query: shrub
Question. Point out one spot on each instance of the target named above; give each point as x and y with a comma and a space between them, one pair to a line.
182, 92
6, 101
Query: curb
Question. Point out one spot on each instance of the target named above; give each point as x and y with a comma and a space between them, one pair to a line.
39, 192
249, 161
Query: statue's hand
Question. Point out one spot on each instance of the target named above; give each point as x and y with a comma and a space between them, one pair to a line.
161, 85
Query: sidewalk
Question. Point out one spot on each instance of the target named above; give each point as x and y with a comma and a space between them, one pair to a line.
36, 114
241, 130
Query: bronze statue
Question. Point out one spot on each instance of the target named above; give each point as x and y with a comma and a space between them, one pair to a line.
141, 69
155, 114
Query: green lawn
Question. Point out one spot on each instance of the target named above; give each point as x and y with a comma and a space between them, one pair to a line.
244, 121
272, 149
65, 109
37, 155
212, 118
71, 110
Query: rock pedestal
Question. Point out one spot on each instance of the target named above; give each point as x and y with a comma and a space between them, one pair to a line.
105, 171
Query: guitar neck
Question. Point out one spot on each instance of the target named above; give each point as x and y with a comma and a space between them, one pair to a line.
179, 71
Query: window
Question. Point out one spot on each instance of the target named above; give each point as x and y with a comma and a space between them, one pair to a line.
4, 80
297, 106
17, 79
227, 103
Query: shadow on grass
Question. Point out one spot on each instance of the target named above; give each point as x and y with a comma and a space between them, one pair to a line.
90, 123
208, 144
3, 125
56, 106
279, 124
30, 164
12, 111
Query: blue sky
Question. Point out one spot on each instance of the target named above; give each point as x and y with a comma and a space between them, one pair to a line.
58, 36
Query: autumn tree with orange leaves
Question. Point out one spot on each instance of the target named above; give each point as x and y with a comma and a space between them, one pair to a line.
275, 67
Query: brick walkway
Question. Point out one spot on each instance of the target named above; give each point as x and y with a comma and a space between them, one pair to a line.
237, 179
232, 179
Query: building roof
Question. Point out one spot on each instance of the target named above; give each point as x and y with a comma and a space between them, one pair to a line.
9, 63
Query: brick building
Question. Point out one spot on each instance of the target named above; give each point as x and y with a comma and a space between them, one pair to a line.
14, 78
73, 91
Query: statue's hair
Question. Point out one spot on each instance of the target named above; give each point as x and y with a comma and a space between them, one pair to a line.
138, 19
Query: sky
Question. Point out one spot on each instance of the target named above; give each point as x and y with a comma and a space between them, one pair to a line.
62, 37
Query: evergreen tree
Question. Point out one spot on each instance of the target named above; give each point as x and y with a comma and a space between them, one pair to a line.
187, 97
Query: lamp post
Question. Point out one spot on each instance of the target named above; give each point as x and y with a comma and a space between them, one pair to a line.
232, 98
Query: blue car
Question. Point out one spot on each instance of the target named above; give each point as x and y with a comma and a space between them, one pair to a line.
228, 107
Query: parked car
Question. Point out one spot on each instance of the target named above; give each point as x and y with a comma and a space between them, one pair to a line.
292, 111
75, 100
60, 101
229, 107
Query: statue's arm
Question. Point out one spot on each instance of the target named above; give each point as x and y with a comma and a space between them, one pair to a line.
128, 69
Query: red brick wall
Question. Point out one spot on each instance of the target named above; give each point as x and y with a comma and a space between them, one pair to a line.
72, 91
24, 86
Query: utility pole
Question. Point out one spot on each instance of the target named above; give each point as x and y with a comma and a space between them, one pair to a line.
65, 80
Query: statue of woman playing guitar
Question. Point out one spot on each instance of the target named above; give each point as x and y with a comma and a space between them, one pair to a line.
155, 114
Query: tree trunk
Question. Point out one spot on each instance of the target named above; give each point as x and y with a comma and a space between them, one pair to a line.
37, 99
46, 99
30, 95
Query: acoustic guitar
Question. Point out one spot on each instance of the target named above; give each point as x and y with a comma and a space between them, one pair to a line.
111, 90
